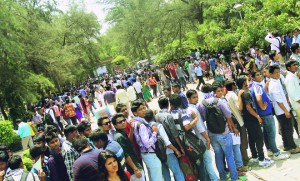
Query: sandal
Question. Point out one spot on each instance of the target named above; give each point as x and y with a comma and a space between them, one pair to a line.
241, 173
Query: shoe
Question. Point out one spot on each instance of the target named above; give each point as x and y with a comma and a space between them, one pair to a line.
295, 150
287, 149
270, 153
265, 163
253, 160
281, 156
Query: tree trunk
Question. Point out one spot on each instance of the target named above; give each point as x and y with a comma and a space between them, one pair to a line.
2, 109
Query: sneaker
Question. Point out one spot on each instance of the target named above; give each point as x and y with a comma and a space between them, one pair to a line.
265, 163
270, 153
281, 156
295, 150
253, 160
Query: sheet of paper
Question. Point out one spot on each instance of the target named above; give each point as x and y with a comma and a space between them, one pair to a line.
38, 165
236, 140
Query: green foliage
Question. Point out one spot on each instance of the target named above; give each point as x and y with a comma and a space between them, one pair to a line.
27, 161
6, 134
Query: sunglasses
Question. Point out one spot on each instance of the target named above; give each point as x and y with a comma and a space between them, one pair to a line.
122, 121
107, 123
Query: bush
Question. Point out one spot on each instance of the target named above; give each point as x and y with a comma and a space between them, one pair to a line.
6, 133
27, 161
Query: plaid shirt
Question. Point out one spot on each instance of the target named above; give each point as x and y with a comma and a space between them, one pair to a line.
70, 155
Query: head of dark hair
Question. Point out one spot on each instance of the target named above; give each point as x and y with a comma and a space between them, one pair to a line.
50, 129
100, 120
103, 156
176, 85
80, 143
14, 162
115, 117
69, 129
39, 138
4, 156
168, 88
50, 136
206, 88
240, 81
294, 47
135, 105
119, 107
149, 115
190, 92
175, 100
97, 135
229, 85
253, 73
83, 126
216, 85
289, 64
272, 68
272, 54
163, 102
129, 83
36, 151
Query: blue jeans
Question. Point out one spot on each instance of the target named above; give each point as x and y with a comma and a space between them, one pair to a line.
237, 156
270, 132
153, 165
209, 167
222, 145
173, 164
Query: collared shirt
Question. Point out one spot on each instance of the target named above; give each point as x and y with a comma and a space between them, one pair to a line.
224, 108
138, 87
131, 93
23, 130
122, 96
37, 118
179, 72
70, 155
198, 71
293, 89
185, 102
277, 95
199, 127
17, 174
86, 166
145, 138
164, 116
275, 42
296, 39
57, 167
185, 116
163, 134
125, 143
109, 96
232, 100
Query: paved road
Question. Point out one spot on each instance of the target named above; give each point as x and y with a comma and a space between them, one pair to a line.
287, 170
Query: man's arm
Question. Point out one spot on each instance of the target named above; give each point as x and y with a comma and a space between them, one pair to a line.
137, 172
286, 112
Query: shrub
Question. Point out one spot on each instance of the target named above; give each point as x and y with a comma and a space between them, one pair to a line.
27, 161
6, 133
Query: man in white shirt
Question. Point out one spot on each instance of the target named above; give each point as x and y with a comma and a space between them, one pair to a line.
138, 88
275, 41
282, 110
122, 96
296, 37
131, 92
232, 100
293, 87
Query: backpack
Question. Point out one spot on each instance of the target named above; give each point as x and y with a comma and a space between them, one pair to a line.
47, 117
215, 120
282, 47
189, 171
160, 147
23, 176
193, 146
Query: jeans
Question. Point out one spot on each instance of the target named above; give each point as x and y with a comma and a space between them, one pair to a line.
286, 131
159, 88
154, 88
255, 137
153, 165
173, 164
200, 80
222, 144
182, 82
270, 132
237, 155
209, 167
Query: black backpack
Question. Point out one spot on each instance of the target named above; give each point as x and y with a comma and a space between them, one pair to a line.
160, 147
47, 118
215, 120
282, 47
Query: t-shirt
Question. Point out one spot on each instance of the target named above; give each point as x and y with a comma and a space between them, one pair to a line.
116, 148
247, 99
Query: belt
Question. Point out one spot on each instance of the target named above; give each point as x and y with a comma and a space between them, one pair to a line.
144, 153
267, 115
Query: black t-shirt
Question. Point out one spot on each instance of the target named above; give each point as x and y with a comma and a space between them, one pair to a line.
156, 77
167, 73
247, 100
239, 66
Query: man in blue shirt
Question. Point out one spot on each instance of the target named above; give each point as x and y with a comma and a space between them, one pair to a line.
24, 133
177, 90
199, 75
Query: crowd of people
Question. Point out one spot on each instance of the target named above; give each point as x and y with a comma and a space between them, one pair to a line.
250, 91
